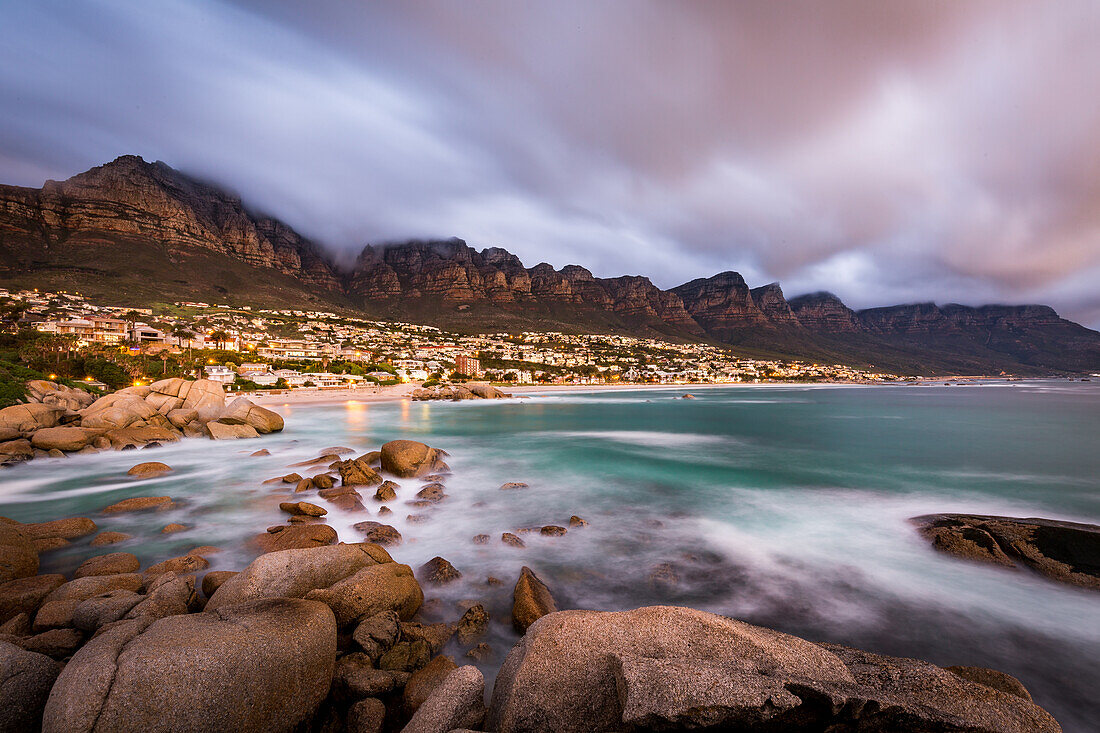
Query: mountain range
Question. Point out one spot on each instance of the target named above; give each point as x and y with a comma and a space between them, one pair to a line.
135, 233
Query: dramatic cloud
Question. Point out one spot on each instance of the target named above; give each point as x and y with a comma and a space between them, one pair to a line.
891, 152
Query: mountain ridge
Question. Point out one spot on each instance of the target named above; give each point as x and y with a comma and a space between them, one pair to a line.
148, 230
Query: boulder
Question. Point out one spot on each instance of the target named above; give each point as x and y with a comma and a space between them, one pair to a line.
1068, 552
207, 398
110, 564
513, 485
18, 557
15, 451
373, 589
433, 493
377, 634
575, 521
552, 530
424, 680
215, 579
294, 573
242, 411
356, 677
25, 595
265, 665
52, 393
409, 458
531, 600
140, 504
62, 438
367, 716
82, 589
69, 529
406, 656
356, 472
297, 537
25, 682
438, 571
180, 564
677, 668
138, 435
456, 703
182, 417
28, 418
172, 528
473, 624
99, 610
223, 431
169, 595
386, 492
56, 643
486, 391
303, 508
435, 636
117, 410
992, 678
378, 533
512, 540
109, 538
149, 468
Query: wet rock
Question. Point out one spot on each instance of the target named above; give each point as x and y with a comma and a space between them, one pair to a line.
204, 550
531, 600
140, 504
295, 538
424, 681
291, 478
1068, 552
417, 518
473, 624
356, 472
18, 558
438, 571
366, 716
323, 481
214, 580
357, 677
294, 573
432, 493
512, 540
172, 528
25, 682
384, 510
149, 468
406, 656
377, 634
575, 521
386, 492
480, 652
455, 703
258, 666
373, 589
305, 484
110, 538
254, 454
435, 635
243, 411
181, 564
303, 508
111, 564
481, 539
382, 534
409, 458
222, 431
551, 530
512, 485
25, 595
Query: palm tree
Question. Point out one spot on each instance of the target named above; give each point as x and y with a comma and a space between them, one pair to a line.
181, 334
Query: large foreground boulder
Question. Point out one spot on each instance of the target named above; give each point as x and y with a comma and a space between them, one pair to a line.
25, 682
1068, 552
409, 458
260, 666
666, 668
25, 419
243, 411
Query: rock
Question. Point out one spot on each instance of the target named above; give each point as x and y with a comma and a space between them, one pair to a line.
149, 468
291, 478
181, 564
204, 550
259, 666
28, 418
54, 615
480, 652
111, 564
18, 557
384, 510
56, 643
386, 492
485, 391
553, 531
531, 600
406, 656
242, 411
46, 544
141, 503
296, 538
84, 588
512, 540
456, 702
305, 484
182, 417
294, 573
424, 680
62, 438
992, 678
356, 677
432, 493
409, 458
172, 528
215, 579
381, 534
109, 538
1068, 552
438, 571
678, 668
435, 635
377, 634
18, 625
323, 481
69, 529
473, 624
575, 521
25, 682
222, 431
303, 508
512, 485
15, 451
25, 595
255, 454
366, 716
92, 613
170, 595
356, 472
416, 518
481, 539
373, 589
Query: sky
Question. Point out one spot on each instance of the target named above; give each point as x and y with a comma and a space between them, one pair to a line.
894, 152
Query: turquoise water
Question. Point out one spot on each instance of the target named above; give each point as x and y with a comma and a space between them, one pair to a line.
781, 505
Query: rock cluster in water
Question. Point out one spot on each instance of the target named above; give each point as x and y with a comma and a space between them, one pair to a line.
315, 635
59, 419
459, 392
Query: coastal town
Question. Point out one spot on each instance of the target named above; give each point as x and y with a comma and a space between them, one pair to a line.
247, 348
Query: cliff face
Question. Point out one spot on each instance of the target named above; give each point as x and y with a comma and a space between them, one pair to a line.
769, 300
825, 313
721, 304
131, 199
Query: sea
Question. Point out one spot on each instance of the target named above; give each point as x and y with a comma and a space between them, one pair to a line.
786, 506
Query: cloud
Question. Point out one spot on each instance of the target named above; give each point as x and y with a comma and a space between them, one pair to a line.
890, 152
